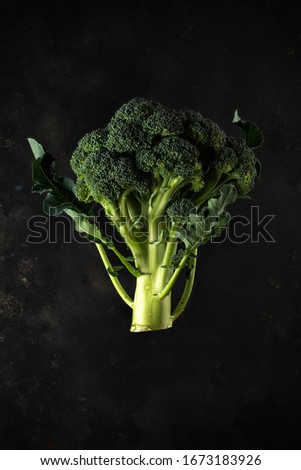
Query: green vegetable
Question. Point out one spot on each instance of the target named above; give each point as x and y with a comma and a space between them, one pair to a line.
164, 179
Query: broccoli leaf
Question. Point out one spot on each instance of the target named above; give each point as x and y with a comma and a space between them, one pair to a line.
119, 267
188, 272
59, 191
60, 196
251, 133
215, 217
227, 195
179, 255
210, 220
112, 273
115, 271
37, 149
89, 229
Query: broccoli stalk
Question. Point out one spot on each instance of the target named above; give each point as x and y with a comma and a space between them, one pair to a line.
164, 179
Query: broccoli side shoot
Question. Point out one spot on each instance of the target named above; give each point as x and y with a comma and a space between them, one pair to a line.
164, 178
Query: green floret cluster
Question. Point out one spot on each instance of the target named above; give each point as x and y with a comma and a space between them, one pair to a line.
125, 130
236, 160
164, 178
92, 142
203, 132
148, 150
180, 210
164, 122
172, 156
103, 177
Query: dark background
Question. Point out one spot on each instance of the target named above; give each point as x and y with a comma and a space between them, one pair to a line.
227, 375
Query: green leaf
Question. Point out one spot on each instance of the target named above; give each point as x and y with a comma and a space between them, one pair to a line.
258, 168
68, 184
115, 271
194, 219
250, 132
188, 273
37, 149
112, 272
227, 195
179, 255
89, 229
210, 220
216, 217
55, 204
60, 195
118, 268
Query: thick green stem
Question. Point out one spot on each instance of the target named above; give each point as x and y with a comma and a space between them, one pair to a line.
150, 313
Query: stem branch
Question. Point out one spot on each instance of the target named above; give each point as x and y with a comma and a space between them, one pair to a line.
116, 283
170, 250
134, 271
174, 277
187, 289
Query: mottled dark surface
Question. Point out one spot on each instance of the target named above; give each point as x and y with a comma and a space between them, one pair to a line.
228, 374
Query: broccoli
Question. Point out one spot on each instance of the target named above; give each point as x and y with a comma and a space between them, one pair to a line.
165, 179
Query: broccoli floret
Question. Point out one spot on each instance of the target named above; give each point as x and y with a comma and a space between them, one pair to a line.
124, 136
106, 173
164, 122
246, 173
180, 210
82, 190
107, 176
177, 157
203, 131
164, 178
100, 172
135, 110
172, 156
238, 161
172, 159
226, 158
125, 130
91, 142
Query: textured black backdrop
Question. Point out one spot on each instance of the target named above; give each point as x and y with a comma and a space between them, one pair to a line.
228, 374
